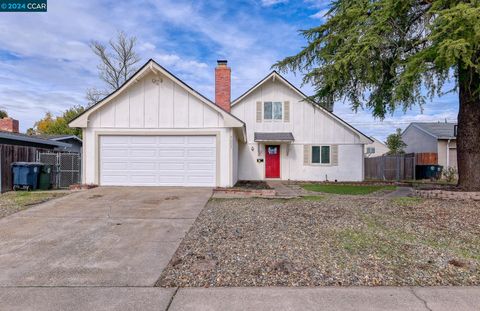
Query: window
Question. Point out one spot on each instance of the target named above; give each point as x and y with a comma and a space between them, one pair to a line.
321, 154
370, 150
272, 111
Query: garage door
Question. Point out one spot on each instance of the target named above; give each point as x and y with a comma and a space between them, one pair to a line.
158, 160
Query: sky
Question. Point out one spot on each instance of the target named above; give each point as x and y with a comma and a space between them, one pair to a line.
46, 64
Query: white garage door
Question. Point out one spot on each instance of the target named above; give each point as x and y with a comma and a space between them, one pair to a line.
158, 160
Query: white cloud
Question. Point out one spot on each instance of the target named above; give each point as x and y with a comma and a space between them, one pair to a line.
272, 2
322, 15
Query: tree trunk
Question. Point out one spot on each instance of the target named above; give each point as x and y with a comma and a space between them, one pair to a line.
468, 135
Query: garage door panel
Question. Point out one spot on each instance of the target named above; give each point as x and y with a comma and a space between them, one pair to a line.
171, 140
158, 160
171, 153
201, 140
142, 153
201, 152
143, 140
149, 166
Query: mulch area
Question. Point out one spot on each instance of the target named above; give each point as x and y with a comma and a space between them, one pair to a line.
252, 184
329, 240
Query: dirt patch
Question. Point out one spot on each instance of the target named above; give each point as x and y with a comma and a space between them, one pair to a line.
252, 184
329, 241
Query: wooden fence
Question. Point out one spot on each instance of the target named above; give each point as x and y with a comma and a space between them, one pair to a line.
426, 158
391, 167
10, 154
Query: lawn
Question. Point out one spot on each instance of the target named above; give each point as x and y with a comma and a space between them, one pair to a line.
329, 241
346, 189
15, 201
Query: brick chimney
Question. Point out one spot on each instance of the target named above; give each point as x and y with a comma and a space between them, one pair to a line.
222, 85
9, 125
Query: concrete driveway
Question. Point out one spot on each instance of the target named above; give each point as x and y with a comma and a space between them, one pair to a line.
112, 236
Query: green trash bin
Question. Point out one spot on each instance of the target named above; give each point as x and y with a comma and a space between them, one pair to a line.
44, 178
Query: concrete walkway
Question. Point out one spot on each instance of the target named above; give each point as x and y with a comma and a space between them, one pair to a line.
400, 192
233, 299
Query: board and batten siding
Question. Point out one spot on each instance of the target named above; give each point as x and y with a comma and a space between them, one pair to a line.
151, 107
156, 105
309, 125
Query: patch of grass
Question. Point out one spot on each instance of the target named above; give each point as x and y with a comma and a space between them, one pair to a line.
407, 201
15, 201
346, 189
313, 198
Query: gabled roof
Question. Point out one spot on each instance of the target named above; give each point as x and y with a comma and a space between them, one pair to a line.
59, 137
152, 66
377, 140
439, 130
275, 75
32, 139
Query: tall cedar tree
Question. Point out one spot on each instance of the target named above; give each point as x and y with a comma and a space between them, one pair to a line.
386, 54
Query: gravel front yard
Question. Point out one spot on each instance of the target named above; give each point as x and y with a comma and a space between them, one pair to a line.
329, 240
16, 201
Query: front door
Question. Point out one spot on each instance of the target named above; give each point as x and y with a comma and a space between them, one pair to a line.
272, 162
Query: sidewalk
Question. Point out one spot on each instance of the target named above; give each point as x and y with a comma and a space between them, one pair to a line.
328, 298
233, 299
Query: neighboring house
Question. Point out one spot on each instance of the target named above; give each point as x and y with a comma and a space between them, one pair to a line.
9, 135
157, 130
73, 140
433, 137
375, 149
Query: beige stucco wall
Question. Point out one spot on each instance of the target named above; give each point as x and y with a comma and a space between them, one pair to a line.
442, 153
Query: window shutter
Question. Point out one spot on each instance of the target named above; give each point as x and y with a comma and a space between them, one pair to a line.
259, 112
286, 108
306, 154
334, 152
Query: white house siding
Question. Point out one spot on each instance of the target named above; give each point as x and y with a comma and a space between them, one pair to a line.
149, 108
309, 125
235, 146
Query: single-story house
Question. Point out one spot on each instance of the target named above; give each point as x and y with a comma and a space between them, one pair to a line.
9, 135
155, 130
435, 137
375, 149
75, 142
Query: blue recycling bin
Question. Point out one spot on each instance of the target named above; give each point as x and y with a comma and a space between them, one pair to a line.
25, 175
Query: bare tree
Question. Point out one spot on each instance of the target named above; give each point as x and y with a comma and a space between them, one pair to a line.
118, 63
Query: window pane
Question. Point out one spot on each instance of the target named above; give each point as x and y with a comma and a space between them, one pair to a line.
325, 154
277, 111
315, 154
267, 110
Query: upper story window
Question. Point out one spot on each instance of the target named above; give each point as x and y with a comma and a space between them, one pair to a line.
272, 111
370, 149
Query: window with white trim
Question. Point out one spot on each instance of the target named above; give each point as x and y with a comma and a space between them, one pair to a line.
370, 150
321, 155
272, 111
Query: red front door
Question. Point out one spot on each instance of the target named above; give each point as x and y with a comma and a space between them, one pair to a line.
272, 161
